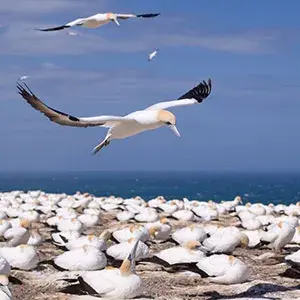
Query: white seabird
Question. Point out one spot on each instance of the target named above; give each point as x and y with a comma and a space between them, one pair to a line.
115, 283
98, 20
152, 117
23, 77
152, 54
86, 258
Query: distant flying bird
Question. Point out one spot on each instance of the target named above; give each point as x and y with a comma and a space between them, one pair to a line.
120, 127
73, 33
152, 54
98, 20
23, 77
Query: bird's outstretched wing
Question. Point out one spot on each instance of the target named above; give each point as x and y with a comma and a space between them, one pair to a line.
77, 22
127, 16
62, 118
193, 96
53, 28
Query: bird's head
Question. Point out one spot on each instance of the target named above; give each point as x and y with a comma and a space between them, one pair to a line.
167, 118
4, 280
113, 17
192, 245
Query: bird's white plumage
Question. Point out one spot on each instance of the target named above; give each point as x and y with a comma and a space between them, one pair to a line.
168, 104
98, 20
86, 258
120, 127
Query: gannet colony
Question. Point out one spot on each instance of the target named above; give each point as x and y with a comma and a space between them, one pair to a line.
58, 246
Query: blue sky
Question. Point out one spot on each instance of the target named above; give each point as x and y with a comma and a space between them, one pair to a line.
250, 49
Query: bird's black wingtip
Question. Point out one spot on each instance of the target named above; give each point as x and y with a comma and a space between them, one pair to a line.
53, 28
148, 15
24, 90
20, 87
199, 92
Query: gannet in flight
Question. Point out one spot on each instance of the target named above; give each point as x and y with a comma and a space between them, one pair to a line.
120, 127
98, 20
152, 54
23, 77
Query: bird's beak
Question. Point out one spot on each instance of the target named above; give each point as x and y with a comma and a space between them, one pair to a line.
174, 129
116, 21
131, 256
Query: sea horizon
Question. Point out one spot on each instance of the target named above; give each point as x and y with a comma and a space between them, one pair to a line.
265, 187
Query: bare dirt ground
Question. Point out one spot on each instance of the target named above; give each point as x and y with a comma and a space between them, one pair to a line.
269, 277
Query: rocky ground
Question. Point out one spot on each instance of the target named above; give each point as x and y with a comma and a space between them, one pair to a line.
270, 278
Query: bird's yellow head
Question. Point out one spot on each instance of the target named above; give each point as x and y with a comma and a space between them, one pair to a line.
244, 240
164, 220
90, 237
112, 17
4, 280
153, 230
192, 245
167, 118
25, 223
231, 259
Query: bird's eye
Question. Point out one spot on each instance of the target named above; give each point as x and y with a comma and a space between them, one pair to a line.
168, 123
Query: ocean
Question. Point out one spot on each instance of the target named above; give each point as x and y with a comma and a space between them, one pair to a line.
260, 187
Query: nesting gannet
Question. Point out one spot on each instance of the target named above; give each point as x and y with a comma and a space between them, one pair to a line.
147, 214
192, 232
230, 205
121, 251
63, 237
133, 231
92, 210
183, 215
152, 54
69, 224
160, 230
86, 258
98, 20
225, 240
88, 220
188, 253
150, 118
124, 216
115, 283
90, 240
207, 212
280, 234
31, 216
227, 269
5, 293
253, 236
23, 257
169, 207
18, 235
156, 201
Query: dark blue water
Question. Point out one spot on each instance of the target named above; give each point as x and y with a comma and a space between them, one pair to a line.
266, 188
